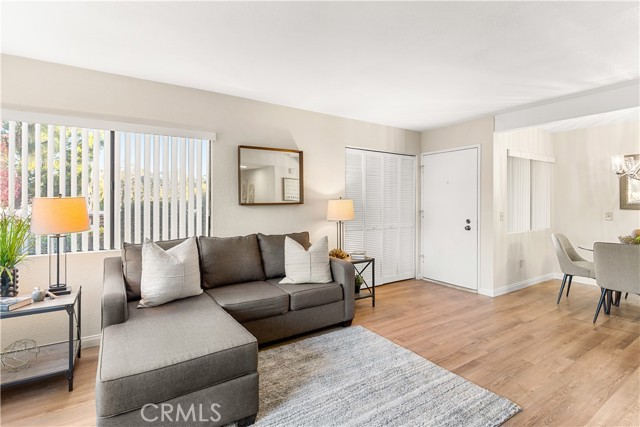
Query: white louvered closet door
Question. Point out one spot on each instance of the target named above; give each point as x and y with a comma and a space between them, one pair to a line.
382, 186
354, 230
373, 213
407, 218
391, 204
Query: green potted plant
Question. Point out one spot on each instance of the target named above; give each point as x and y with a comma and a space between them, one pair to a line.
14, 247
359, 282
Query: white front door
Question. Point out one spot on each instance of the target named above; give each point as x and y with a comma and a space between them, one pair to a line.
450, 217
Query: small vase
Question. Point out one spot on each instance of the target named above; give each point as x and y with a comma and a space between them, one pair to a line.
8, 287
357, 289
38, 294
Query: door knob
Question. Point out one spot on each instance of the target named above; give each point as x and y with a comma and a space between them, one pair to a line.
468, 227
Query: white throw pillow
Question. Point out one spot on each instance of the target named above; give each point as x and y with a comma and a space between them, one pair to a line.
169, 275
303, 266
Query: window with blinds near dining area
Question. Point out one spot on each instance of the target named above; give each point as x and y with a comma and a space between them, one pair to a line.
529, 192
137, 185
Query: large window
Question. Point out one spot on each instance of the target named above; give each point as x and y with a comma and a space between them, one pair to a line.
137, 185
529, 191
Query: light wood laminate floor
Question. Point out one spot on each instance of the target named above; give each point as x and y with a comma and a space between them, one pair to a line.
548, 358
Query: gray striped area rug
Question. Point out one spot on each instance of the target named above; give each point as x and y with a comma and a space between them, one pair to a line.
354, 377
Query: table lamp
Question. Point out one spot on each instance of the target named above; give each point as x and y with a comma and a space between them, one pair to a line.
340, 210
56, 217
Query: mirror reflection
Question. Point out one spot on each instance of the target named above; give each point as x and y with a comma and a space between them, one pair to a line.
269, 176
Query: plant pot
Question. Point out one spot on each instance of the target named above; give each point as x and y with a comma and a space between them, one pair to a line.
9, 287
357, 288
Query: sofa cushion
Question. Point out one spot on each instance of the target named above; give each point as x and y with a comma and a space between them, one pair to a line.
169, 275
306, 266
272, 251
229, 260
310, 295
170, 351
132, 265
252, 300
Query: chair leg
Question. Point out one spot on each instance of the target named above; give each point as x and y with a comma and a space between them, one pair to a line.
618, 298
626, 295
569, 284
600, 301
607, 303
564, 280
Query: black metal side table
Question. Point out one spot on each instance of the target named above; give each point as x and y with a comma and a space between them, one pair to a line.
53, 359
369, 287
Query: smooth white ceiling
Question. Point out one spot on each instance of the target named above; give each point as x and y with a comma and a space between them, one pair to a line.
414, 65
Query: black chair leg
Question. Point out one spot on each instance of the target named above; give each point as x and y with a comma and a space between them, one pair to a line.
607, 303
564, 280
569, 284
618, 298
600, 301
626, 295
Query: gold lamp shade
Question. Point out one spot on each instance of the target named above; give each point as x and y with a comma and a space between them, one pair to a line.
59, 215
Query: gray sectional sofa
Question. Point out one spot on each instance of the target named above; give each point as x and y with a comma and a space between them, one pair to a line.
196, 358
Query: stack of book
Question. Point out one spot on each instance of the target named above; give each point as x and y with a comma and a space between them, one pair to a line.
358, 255
13, 303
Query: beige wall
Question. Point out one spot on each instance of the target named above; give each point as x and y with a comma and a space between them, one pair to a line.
83, 270
586, 187
583, 189
476, 132
56, 89
519, 258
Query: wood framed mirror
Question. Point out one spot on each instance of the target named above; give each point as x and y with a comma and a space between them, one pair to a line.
630, 189
270, 176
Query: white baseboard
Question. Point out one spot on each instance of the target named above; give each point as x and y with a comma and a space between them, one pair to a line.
517, 286
485, 292
577, 279
91, 341
88, 341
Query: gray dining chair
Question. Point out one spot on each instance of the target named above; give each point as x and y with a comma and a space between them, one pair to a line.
618, 269
571, 263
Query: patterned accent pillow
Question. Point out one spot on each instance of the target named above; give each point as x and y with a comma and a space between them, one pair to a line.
306, 266
169, 275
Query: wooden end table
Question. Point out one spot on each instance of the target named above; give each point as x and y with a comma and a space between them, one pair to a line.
53, 359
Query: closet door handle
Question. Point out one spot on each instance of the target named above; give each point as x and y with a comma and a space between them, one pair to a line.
468, 227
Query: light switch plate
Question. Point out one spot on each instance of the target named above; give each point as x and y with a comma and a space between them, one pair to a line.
608, 216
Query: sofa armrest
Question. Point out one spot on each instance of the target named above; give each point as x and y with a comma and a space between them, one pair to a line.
344, 273
114, 294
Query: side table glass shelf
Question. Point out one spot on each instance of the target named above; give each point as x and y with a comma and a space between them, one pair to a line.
367, 290
53, 359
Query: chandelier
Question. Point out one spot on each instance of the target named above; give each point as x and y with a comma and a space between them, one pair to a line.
626, 165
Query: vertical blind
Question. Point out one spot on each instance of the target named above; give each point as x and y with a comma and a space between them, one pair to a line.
529, 194
165, 192
137, 185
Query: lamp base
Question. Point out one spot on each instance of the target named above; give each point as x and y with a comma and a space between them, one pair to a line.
60, 289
